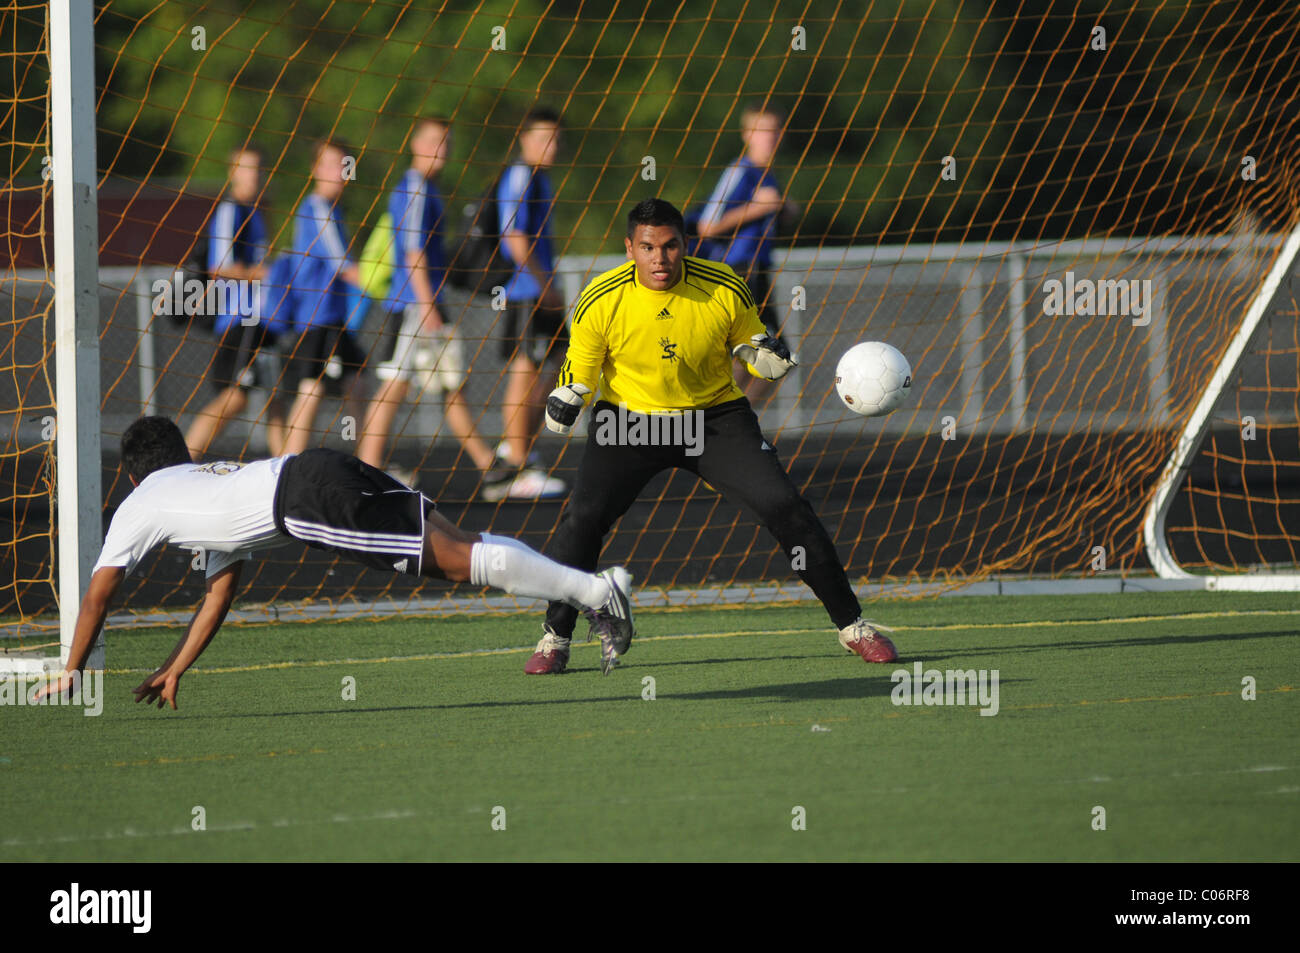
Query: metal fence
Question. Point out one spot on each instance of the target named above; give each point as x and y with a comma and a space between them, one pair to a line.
970, 317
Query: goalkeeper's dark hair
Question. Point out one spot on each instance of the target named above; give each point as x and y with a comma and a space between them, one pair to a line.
152, 443
654, 212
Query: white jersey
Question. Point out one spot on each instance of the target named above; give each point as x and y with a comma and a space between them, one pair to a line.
225, 510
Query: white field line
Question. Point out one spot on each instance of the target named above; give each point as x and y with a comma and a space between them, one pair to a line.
738, 633
129, 833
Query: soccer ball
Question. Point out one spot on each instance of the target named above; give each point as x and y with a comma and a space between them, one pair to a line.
872, 378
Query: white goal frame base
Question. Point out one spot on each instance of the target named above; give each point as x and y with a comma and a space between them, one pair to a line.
1153, 525
18, 662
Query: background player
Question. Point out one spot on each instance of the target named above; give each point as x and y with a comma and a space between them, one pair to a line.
237, 252
739, 222
416, 324
323, 498
320, 296
657, 335
535, 332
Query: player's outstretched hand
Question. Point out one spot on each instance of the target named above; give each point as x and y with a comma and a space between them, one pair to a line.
564, 405
160, 687
58, 685
767, 357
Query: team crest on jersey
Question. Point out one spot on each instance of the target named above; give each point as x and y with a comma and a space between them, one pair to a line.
220, 467
670, 350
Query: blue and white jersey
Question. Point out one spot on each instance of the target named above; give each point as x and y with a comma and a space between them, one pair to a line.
416, 210
751, 244
236, 236
321, 252
524, 201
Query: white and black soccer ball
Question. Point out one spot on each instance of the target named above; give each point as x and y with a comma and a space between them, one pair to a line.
873, 379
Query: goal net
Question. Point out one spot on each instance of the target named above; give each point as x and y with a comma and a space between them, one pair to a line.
1060, 213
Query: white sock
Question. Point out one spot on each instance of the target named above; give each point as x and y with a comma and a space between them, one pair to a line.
514, 567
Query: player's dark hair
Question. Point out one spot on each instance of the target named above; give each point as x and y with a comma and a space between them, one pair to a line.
654, 212
152, 443
538, 115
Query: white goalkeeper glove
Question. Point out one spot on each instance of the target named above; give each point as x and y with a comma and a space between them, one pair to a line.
767, 357
563, 406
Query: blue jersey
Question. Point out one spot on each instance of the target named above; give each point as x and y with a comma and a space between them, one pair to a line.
416, 210
524, 201
751, 244
320, 247
236, 236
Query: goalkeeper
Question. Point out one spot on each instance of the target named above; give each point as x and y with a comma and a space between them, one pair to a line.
657, 335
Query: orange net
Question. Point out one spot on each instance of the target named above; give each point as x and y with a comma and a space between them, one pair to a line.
1059, 218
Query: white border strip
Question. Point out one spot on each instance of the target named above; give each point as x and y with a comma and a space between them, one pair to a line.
649, 598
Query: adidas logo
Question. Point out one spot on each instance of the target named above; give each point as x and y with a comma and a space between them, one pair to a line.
662, 315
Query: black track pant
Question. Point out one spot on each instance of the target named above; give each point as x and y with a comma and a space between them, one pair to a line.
736, 461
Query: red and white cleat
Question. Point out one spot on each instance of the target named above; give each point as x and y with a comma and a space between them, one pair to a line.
864, 639
551, 656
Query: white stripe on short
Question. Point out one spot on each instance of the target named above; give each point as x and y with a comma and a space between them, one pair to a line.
354, 539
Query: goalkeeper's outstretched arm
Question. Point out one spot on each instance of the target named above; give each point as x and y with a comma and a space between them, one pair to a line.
766, 357
564, 405
578, 377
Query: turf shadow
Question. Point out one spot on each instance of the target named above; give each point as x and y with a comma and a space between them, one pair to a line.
824, 689
940, 653
668, 663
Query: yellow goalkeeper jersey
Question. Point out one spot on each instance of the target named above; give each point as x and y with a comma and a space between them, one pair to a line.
658, 351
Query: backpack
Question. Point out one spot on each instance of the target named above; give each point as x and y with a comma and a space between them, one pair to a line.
277, 294
477, 264
378, 259
710, 248
195, 268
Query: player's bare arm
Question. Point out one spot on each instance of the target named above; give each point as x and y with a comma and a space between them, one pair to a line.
521, 250
418, 264
766, 201
90, 620
162, 685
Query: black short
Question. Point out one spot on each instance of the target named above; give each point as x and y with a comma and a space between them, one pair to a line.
540, 334
328, 353
332, 501
245, 357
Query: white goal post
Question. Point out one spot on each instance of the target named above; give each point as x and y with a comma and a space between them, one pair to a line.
1153, 525
78, 490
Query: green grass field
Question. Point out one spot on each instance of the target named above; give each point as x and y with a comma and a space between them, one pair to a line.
1132, 703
